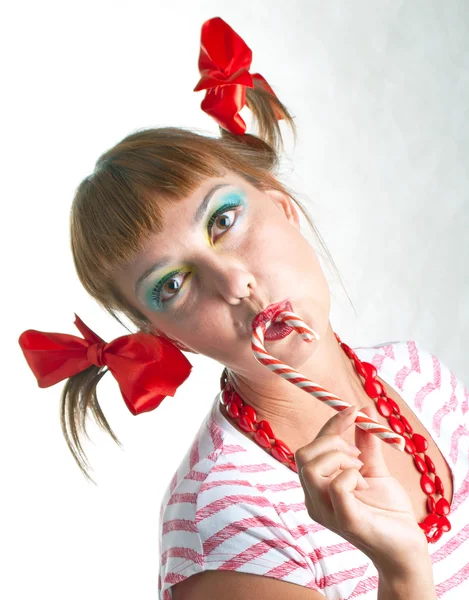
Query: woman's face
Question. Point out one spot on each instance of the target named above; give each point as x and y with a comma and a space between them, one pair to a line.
216, 265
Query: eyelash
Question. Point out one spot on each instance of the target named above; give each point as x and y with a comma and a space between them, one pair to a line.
156, 292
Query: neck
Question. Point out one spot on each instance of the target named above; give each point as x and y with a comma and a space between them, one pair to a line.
295, 415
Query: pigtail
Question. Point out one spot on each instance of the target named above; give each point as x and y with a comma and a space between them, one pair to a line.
78, 400
267, 110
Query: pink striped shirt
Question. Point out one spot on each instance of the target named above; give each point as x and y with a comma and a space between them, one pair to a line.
232, 506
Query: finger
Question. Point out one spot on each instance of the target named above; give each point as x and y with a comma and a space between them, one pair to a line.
329, 438
339, 423
325, 465
315, 477
371, 448
343, 500
326, 443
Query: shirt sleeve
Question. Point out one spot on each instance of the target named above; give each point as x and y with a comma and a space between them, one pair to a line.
235, 528
240, 530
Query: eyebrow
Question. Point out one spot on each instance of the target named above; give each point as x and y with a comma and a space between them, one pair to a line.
199, 213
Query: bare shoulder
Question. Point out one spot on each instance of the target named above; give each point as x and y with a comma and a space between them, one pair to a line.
233, 585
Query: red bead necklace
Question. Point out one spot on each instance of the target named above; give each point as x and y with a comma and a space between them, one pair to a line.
436, 522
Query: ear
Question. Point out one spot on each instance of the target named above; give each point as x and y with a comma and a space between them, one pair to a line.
286, 205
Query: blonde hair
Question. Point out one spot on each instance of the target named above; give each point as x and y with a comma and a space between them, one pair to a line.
114, 211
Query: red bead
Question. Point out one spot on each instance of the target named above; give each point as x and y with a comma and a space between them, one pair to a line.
262, 438
249, 412
348, 351
360, 369
420, 464
437, 535
442, 507
370, 369
373, 388
431, 520
279, 454
407, 425
444, 524
394, 406
427, 484
396, 425
430, 465
237, 400
431, 504
410, 446
265, 425
420, 442
245, 423
232, 409
384, 408
283, 447
439, 485
293, 466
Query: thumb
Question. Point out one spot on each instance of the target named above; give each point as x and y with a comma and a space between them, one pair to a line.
371, 447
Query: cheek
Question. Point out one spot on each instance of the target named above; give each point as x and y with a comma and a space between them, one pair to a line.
282, 244
290, 263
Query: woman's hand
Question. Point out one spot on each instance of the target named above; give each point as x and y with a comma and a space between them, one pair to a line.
362, 503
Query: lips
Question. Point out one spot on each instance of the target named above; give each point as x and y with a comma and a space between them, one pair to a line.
277, 331
268, 313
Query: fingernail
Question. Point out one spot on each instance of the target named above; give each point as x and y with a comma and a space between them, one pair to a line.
348, 411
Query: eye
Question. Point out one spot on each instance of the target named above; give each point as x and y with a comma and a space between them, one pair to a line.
172, 283
224, 210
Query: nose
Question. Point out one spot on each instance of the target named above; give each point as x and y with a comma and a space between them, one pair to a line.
228, 277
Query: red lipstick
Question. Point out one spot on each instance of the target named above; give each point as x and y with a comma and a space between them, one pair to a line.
275, 331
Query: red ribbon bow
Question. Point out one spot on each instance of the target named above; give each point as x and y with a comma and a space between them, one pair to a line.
146, 367
224, 63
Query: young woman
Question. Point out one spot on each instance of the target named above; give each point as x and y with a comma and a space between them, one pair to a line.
195, 240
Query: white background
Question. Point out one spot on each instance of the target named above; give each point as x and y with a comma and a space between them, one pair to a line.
380, 91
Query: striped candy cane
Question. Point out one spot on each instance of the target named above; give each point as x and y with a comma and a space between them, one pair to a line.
289, 318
